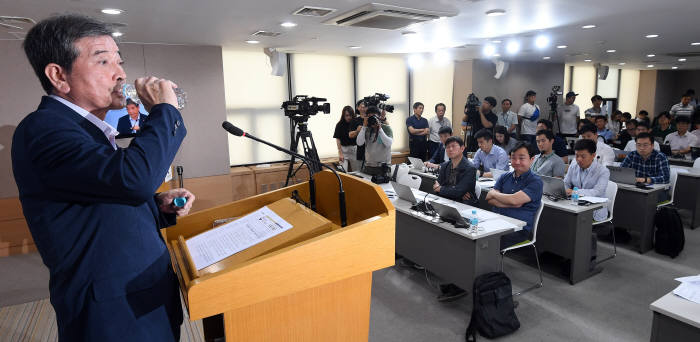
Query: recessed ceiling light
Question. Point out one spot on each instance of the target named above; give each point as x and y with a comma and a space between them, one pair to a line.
587, 26
489, 50
695, 44
611, 51
674, 68
651, 55
117, 34
541, 41
495, 12
513, 47
586, 60
562, 46
354, 47
682, 59
415, 61
497, 55
652, 36
112, 11
650, 66
406, 33
623, 63
546, 57
288, 24
496, 41
252, 41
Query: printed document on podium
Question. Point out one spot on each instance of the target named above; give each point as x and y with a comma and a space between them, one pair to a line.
223, 241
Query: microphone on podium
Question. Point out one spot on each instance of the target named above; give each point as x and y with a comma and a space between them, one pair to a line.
229, 127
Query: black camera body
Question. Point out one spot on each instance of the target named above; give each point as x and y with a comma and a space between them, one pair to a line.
384, 176
472, 105
553, 97
377, 100
304, 106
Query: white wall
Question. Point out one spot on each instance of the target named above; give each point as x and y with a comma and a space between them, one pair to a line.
584, 78
629, 90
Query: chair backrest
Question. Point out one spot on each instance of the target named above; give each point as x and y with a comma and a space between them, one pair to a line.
412, 181
674, 179
611, 194
477, 190
696, 164
536, 222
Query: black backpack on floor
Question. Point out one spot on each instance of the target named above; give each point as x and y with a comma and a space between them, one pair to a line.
669, 237
493, 314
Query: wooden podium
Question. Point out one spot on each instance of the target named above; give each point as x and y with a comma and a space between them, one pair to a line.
317, 289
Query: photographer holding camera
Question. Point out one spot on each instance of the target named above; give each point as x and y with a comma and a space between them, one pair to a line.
479, 119
377, 139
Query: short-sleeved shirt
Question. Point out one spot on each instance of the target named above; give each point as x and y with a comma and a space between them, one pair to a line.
597, 112
417, 123
342, 132
606, 134
507, 119
436, 125
497, 159
678, 142
567, 118
548, 165
531, 185
680, 110
658, 132
530, 114
475, 121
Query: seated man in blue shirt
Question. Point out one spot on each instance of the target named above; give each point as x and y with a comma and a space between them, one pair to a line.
489, 156
601, 123
590, 178
650, 165
457, 177
440, 155
518, 194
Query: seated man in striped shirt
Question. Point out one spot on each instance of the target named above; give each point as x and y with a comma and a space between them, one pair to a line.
651, 166
684, 108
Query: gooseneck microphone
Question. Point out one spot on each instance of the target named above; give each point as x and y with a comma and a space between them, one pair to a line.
229, 127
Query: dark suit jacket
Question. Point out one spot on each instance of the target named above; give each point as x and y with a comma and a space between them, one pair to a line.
124, 124
438, 156
466, 182
93, 216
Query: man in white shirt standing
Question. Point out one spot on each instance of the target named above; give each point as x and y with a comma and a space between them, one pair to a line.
597, 108
604, 153
507, 118
568, 112
528, 114
682, 109
435, 124
681, 141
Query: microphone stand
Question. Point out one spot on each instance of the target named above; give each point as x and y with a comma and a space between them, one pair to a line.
312, 185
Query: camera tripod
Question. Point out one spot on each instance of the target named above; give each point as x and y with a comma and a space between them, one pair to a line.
307, 141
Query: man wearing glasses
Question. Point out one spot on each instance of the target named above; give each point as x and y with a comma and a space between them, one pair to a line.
651, 166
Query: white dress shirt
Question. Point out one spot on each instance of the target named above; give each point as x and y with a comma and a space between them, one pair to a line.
109, 131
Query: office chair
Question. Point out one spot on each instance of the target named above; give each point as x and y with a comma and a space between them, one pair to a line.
674, 180
477, 190
610, 194
525, 244
696, 164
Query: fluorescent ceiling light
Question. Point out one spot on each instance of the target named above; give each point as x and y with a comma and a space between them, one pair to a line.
541, 41
674, 68
288, 24
682, 59
117, 34
497, 55
586, 60
562, 46
513, 47
650, 66
489, 50
587, 26
695, 44
495, 12
354, 47
623, 63
652, 36
611, 51
546, 57
651, 55
496, 41
415, 61
112, 11
252, 41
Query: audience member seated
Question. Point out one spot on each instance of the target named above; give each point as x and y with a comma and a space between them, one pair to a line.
642, 127
489, 156
614, 125
681, 141
604, 153
643, 116
559, 145
518, 194
456, 181
503, 139
590, 178
650, 166
440, 155
684, 108
601, 123
696, 125
664, 126
628, 133
547, 163
377, 143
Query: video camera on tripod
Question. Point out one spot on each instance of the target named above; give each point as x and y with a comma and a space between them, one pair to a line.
305, 106
554, 97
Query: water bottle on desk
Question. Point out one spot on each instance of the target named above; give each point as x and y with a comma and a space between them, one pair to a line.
574, 196
129, 91
473, 221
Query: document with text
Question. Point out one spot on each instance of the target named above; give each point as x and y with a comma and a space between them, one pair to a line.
226, 240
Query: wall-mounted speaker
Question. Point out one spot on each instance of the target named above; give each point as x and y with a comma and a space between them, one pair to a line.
501, 68
278, 61
603, 72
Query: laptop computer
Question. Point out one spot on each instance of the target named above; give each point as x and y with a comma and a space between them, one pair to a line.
554, 187
666, 149
449, 214
624, 175
417, 163
404, 192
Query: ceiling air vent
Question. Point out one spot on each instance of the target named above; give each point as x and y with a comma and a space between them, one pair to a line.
313, 11
265, 34
386, 17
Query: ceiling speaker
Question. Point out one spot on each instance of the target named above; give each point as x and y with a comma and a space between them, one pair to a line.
603, 72
501, 68
278, 61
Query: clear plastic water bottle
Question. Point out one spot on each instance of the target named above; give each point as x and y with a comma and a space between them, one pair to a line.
129, 91
474, 221
574, 196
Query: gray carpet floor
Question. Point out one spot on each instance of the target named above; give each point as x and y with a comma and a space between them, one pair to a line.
611, 306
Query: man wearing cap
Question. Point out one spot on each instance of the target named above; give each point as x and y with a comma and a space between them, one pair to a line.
568, 112
528, 114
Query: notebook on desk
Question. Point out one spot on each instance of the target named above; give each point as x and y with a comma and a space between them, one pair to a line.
624, 175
